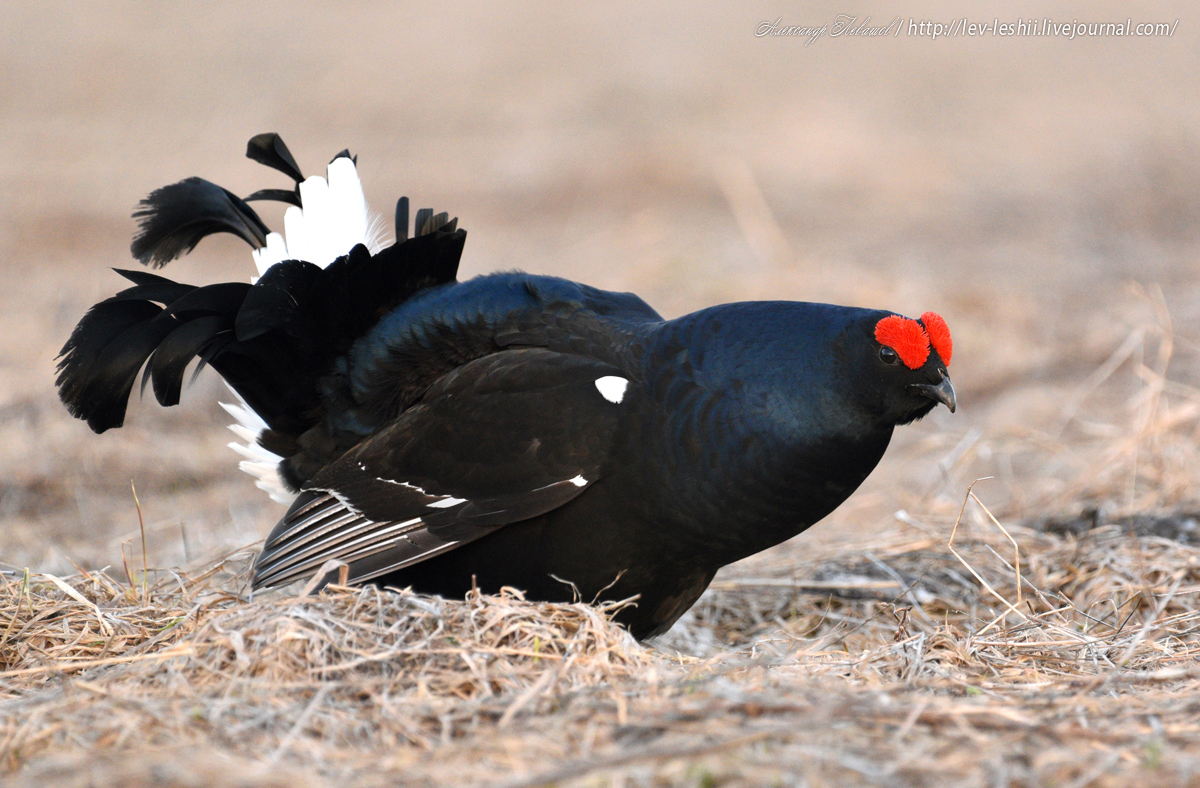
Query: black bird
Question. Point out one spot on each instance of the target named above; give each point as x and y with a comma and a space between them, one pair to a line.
510, 430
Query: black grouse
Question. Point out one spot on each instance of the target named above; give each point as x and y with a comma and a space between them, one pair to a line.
510, 430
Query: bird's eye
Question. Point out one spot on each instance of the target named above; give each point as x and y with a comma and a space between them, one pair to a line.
887, 355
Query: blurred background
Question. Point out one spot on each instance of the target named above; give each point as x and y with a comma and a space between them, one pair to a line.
1039, 193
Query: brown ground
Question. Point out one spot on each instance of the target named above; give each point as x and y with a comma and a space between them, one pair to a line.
1041, 194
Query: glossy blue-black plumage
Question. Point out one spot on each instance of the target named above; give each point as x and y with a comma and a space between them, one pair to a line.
513, 429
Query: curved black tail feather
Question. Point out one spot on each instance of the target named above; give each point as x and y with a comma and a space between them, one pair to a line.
269, 150
173, 219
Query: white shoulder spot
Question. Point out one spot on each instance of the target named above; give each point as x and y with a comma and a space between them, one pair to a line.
612, 388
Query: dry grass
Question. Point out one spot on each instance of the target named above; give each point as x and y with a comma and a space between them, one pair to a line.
90, 661
908, 662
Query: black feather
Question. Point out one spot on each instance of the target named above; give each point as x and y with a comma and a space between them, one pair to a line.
176, 351
151, 287
273, 303
423, 216
290, 196
269, 149
139, 277
436, 222
173, 219
99, 363
402, 219
223, 298
103, 323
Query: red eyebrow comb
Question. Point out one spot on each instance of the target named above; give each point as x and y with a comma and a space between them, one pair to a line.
905, 336
939, 335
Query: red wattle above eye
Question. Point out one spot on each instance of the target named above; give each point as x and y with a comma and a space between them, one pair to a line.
905, 336
939, 335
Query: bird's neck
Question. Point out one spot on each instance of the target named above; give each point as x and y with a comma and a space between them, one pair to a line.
752, 463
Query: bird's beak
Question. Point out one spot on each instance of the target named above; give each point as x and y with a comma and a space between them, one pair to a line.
942, 392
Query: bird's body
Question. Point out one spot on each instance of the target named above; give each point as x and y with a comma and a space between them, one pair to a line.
514, 430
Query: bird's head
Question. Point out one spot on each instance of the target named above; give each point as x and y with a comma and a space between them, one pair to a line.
901, 365
821, 368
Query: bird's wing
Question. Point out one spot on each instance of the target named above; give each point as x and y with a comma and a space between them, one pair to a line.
501, 439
